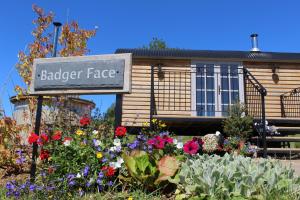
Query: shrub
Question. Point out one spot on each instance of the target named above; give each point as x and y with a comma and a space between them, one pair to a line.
238, 124
229, 177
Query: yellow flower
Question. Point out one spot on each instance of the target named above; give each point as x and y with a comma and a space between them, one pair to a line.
145, 124
130, 198
99, 155
79, 132
154, 120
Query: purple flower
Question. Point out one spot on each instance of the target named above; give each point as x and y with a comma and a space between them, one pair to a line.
20, 160
23, 186
118, 149
99, 149
17, 193
165, 133
100, 175
72, 183
8, 193
86, 171
32, 187
133, 145
110, 183
99, 181
104, 160
50, 188
39, 188
10, 186
70, 176
88, 184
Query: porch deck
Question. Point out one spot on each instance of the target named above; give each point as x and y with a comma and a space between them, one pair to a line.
199, 120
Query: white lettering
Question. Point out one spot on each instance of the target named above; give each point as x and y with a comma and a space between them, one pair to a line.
57, 75
44, 75
79, 72
103, 75
73, 75
89, 72
65, 76
112, 73
50, 76
97, 73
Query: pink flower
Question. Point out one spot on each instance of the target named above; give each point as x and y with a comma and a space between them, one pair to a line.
191, 147
157, 142
168, 139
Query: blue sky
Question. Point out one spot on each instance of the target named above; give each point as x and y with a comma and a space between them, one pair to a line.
190, 24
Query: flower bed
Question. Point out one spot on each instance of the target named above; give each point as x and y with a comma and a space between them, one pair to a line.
85, 161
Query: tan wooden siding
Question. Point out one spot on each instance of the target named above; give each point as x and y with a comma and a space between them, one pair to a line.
136, 106
289, 78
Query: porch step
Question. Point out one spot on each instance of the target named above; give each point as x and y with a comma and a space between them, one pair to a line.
288, 129
278, 139
280, 150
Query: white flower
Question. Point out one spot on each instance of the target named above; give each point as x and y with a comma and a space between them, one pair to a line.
117, 142
67, 143
95, 132
218, 133
117, 164
78, 175
179, 145
91, 180
97, 143
113, 165
175, 141
113, 148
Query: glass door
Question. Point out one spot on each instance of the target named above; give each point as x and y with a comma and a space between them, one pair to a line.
215, 88
205, 90
229, 87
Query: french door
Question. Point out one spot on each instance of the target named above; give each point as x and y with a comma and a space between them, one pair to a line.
215, 87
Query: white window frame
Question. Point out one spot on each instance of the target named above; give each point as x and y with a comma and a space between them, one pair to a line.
217, 66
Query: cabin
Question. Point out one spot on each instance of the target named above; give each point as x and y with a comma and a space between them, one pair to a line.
192, 90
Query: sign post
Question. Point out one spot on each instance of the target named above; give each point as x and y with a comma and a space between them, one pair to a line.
39, 110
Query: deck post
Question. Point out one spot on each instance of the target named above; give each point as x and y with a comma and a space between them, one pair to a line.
263, 119
152, 99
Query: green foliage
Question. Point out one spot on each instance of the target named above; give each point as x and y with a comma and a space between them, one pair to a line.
144, 169
235, 177
156, 43
238, 124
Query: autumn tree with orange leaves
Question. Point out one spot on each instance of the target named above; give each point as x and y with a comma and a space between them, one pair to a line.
73, 41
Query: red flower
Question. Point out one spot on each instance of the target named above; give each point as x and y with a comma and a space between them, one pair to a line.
191, 147
43, 139
157, 142
120, 131
44, 154
33, 138
57, 135
84, 121
110, 172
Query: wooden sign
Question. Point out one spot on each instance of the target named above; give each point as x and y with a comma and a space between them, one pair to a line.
82, 75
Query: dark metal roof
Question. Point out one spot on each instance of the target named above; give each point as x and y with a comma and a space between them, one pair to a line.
212, 54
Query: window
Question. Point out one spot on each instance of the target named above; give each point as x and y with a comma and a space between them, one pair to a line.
215, 87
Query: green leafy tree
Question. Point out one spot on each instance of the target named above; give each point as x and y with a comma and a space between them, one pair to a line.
156, 43
238, 124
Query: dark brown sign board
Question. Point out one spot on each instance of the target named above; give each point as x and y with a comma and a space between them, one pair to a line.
98, 74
